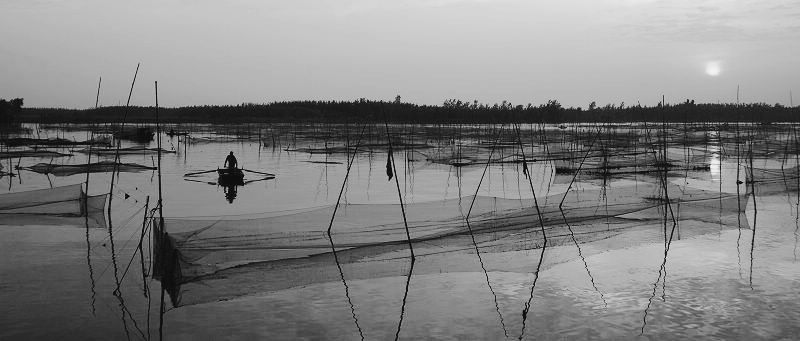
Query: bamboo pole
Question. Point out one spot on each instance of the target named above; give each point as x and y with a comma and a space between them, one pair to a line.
160, 216
97, 99
116, 154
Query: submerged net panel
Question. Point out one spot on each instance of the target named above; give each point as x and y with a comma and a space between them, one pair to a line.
209, 260
53, 206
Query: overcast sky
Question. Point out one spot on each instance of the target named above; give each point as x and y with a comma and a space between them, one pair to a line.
228, 52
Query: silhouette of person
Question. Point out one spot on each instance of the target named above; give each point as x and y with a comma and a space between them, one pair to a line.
230, 161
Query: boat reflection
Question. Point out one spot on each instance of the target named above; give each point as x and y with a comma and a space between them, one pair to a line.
230, 192
229, 179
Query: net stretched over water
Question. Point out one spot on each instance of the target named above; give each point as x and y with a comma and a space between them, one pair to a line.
206, 260
66, 205
15, 154
97, 167
773, 181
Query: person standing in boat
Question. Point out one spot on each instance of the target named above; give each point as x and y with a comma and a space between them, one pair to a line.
230, 161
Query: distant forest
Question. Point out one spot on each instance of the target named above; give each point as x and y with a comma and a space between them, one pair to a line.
9, 109
451, 111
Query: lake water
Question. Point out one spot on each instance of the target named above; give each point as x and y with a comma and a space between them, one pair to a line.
718, 260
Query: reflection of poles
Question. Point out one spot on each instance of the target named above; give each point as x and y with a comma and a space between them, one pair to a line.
797, 184
755, 212
86, 219
141, 253
563, 215
472, 235
738, 200
662, 271
117, 293
330, 227
544, 236
141, 259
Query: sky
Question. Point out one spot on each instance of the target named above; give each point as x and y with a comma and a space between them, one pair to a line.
203, 52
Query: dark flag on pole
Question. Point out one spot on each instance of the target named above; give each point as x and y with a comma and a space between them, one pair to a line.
525, 169
389, 165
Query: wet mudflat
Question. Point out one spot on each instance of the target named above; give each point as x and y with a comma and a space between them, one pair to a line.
585, 231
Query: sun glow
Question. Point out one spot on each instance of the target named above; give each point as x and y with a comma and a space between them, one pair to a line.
713, 68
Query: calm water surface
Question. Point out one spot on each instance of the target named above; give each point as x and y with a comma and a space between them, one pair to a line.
60, 282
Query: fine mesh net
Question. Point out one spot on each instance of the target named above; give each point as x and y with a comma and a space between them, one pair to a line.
96, 167
620, 201
773, 181
15, 154
124, 151
52, 142
66, 205
217, 259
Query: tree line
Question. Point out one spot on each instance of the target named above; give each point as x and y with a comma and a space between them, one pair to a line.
451, 111
9, 108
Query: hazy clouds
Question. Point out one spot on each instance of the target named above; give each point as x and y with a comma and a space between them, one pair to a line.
207, 52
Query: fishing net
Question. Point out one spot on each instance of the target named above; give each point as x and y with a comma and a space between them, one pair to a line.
55, 142
125, 151
67, 205
632, 189
97, 167
767, 181
15, 154
206, 260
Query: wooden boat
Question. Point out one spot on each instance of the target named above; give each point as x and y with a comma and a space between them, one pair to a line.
230, 177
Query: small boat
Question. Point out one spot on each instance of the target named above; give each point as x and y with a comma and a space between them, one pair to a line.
230, 177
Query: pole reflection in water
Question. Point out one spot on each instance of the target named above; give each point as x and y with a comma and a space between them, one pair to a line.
544, 236
472, 235
330, 237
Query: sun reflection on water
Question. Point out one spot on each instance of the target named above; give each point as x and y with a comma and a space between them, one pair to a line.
714, 162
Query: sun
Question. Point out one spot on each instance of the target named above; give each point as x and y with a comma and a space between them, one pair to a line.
713, 68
